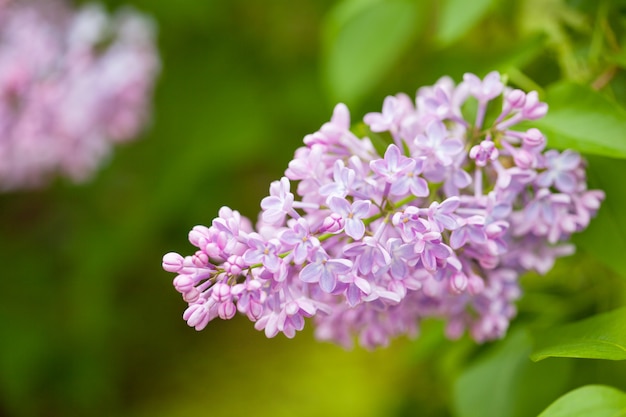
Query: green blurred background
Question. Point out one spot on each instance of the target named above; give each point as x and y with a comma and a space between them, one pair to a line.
89, 322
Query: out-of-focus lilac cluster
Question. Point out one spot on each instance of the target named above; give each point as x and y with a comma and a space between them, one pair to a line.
72, 84
440, 223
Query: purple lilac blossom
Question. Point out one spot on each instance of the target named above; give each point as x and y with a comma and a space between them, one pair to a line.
442, 225
72, 84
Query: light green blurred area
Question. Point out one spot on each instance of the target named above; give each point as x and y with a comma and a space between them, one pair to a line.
90, 323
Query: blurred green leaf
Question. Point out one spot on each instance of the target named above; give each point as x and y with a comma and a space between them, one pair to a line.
363, 40
505, 382
590, 400
605, 238
582, 119
599, 337
457, 17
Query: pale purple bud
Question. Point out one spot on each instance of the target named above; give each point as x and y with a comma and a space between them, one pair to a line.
523, 159
172, 262
533, 108
221, 292
458, 283
226, 310
192, 295
234, 265
515, 99
200, 259
183, 283
483, 152
475, 284
197, 315
534, 138
332, 224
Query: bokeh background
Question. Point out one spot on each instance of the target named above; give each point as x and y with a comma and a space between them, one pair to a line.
89, 322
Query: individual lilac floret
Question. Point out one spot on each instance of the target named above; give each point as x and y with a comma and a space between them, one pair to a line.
442, 225
325, 271
560, 171
352, 214
72, 84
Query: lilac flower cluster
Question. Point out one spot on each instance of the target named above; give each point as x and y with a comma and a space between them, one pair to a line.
71, 85
440, 223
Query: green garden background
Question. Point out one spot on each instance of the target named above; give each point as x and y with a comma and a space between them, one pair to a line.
90, 324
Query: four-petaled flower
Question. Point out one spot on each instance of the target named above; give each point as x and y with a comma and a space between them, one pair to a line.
279, 203
263, 252
325, 271
353, 215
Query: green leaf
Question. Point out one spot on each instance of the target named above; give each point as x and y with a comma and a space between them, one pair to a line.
605, 238
590, 400
582, 119
457, 17
363, 40
505, 382
599, 337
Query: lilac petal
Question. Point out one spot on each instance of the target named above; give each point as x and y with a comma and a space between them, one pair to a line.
419, 187
273, 216
451, 146
429, 261
355, 228
366, 264
399, 270
404, 251
436, 130
290, 237
361, 208
547, 211
419, 247
272, 262
544, 179
446, 221
271, 327
458, 238
307, 306
501, 210
341, 116
297, 322
449, 205
363, 285
311, 273
569, 160
440, 251
328, 280
477, 234
400, 186
300, 253
532, 212
252, 257
379, 166
461, 178
566, 182
332, 189
353, 295
339, 205
339, 266
392, 157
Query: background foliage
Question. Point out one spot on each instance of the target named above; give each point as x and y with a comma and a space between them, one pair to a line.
89, 322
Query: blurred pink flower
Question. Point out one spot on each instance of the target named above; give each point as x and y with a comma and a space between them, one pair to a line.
72, 83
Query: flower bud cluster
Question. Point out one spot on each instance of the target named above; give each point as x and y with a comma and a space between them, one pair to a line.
72, 84
440, 221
